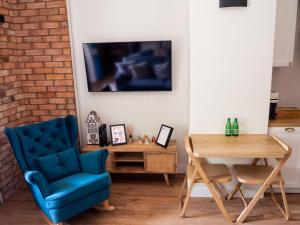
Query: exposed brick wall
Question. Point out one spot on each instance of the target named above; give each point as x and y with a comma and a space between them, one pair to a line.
12, 108
48, 82
36, 81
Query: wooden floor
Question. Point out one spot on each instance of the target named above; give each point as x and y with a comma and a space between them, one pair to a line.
145, 200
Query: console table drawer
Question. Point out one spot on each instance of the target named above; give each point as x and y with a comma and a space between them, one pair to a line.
160, 163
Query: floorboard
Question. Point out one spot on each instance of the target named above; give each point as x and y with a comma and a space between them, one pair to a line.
145, 200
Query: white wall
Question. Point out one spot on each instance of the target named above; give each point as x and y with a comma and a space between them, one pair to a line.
134, 20
230, 63
286, 80
231, 54
231, 57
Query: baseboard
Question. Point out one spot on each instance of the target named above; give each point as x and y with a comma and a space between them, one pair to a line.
292, 190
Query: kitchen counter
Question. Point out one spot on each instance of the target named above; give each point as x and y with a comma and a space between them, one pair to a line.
287, 117
285, 122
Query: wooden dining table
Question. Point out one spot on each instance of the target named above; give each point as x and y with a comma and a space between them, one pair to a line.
249, 146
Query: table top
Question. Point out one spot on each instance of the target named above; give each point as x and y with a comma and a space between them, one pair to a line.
243, 146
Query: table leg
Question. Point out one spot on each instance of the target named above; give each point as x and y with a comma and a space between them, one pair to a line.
188, 195
219, 202
166, 176
285, 203
232, 194
261, 191
184, 184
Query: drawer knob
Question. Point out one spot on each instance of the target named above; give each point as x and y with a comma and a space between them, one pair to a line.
289, 129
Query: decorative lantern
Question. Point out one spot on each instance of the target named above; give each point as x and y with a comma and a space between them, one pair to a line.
92, 128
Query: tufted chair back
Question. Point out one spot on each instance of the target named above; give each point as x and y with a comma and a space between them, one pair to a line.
42, 139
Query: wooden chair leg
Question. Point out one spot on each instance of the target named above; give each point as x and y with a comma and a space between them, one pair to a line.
181, 193
105, 206
166, 176
243, 197
187, 198
285, 211
285, 203
219, 202
219, 191
273, 197
232, 194
188, 195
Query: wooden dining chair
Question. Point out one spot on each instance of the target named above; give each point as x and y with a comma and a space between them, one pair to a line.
199, 171
257, 175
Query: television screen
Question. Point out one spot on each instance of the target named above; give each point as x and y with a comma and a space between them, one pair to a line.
128, 66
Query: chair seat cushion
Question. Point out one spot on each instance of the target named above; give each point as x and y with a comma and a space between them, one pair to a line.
253, 174
218, 173
59, 165
74, 187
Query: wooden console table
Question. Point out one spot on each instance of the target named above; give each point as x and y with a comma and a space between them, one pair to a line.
140, 158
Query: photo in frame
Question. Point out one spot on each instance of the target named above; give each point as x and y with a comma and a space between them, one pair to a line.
118, 134
164, 135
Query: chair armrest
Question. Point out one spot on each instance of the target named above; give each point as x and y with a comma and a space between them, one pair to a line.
36, 178
94, 162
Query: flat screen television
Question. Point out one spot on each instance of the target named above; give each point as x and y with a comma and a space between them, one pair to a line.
128, 66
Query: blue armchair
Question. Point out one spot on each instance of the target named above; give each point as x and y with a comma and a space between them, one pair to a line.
63, 182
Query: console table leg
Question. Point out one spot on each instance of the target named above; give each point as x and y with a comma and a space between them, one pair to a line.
166, 176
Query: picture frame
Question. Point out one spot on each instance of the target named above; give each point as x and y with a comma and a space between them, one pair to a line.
164, 135
118, 134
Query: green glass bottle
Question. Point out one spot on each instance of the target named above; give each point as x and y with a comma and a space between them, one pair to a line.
228, 129
235, 127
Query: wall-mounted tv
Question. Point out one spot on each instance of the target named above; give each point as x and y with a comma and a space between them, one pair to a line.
128, 66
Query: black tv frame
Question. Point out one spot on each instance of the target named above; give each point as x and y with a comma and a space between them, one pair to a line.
112, 42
